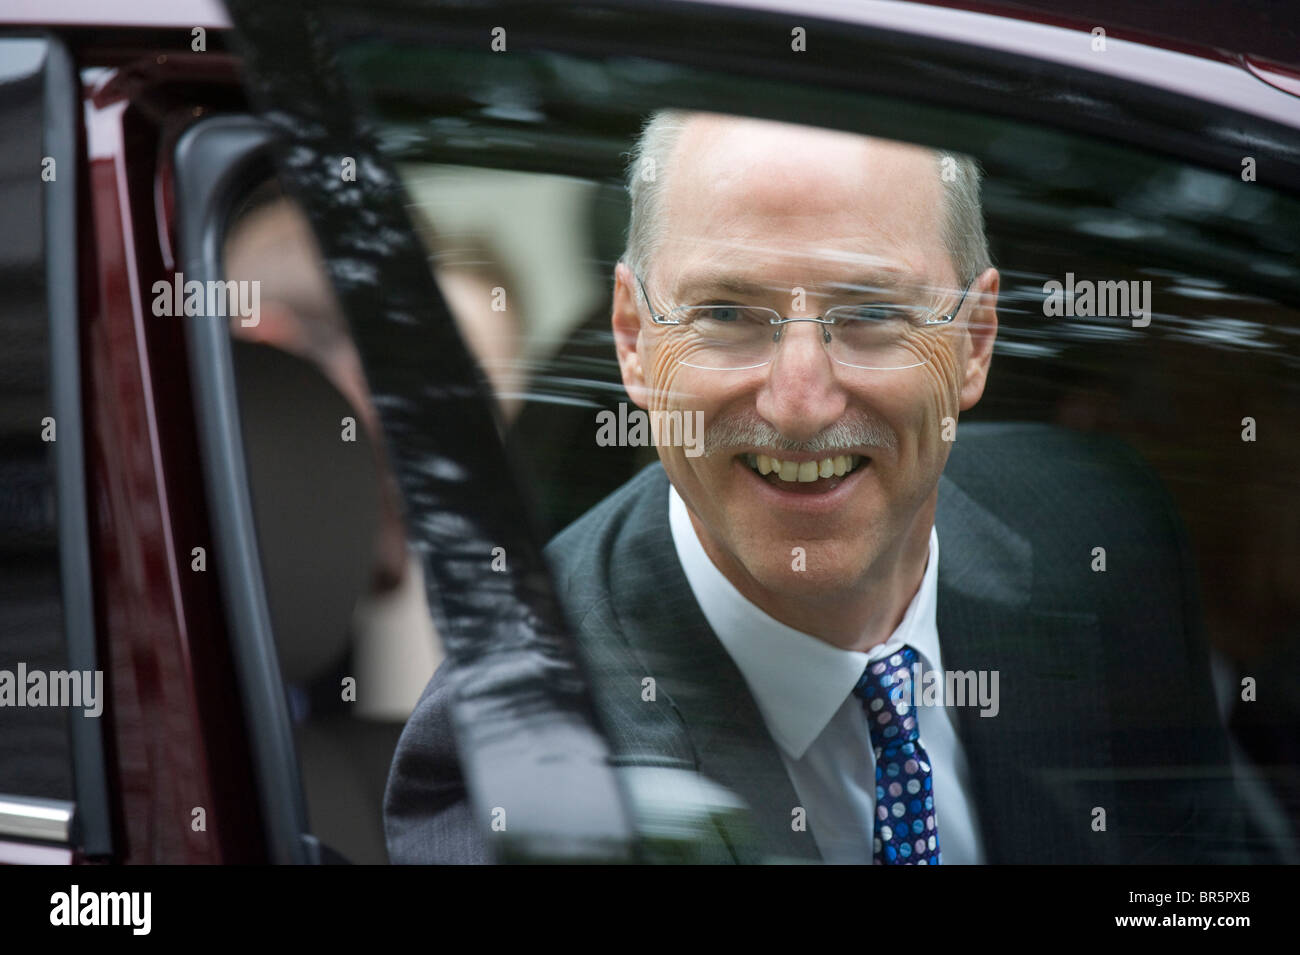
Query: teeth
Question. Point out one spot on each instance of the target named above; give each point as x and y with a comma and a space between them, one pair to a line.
803, 471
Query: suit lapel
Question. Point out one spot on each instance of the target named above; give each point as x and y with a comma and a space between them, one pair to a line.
1040, 766
666, 629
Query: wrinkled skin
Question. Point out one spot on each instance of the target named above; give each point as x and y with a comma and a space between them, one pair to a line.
788, 207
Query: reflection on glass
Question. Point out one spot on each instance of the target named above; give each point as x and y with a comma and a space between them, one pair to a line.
933, 606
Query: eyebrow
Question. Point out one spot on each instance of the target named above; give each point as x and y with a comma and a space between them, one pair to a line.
702, 284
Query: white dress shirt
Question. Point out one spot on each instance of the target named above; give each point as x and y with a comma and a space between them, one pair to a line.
803, 688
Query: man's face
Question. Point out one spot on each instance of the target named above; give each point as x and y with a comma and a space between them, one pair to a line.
754, 212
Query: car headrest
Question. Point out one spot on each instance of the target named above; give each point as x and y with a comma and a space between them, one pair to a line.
315, 503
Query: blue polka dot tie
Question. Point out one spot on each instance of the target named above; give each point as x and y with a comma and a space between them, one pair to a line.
906, 832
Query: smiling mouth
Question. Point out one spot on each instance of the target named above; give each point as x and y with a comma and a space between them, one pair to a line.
805, 476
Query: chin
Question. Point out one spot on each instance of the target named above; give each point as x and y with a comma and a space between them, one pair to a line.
828, 571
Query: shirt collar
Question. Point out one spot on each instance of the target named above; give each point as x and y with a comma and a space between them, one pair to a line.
798, 681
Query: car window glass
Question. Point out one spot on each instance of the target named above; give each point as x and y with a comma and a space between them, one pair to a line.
1147, 317
35, 758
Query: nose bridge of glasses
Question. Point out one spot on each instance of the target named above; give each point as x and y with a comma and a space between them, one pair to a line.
782, 329
823, 331
819, 319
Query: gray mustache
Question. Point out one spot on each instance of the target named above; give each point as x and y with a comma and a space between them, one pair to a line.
731, 433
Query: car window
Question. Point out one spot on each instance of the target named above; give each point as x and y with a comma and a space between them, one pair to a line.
1116, 507
354, 638
35, 752
352, 635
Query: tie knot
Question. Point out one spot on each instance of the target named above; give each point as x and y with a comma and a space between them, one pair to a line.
885, 689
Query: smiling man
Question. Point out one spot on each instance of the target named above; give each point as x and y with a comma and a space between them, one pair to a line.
826, 301
764, 614
835, 307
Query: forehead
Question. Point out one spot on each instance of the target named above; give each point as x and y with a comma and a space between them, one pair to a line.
798, 204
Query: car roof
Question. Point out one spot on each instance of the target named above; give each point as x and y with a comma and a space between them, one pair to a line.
1248, 27
1166, 48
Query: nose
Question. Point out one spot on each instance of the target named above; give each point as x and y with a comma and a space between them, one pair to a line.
801, 395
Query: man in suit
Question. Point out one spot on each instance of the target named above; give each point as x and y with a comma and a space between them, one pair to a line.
826, 305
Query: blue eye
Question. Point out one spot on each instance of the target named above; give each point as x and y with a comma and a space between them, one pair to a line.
872, 313
735, 319
724, 313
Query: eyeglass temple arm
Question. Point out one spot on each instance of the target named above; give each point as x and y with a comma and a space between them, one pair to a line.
952, 316
646, 295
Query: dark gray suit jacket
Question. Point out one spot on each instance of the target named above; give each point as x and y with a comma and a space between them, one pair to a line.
1105, 695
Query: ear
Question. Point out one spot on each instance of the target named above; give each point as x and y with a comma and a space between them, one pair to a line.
981, 330
626, 322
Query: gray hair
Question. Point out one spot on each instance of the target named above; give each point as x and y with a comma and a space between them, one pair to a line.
960, 174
